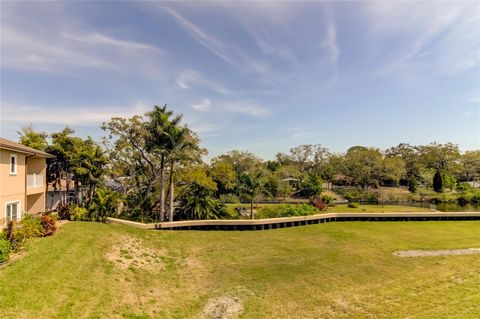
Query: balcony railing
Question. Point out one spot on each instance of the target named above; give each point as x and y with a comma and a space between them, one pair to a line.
34, 180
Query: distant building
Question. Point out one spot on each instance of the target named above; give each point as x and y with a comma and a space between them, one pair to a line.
22, 181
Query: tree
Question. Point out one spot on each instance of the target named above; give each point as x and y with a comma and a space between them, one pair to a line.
196, 198
437, 182
88, 165
470, 162
251, 185
362, 166
158, 141
412, 185
442, 157
312, 186
132, 165
449, 181
31, 138
183, 147
223, 174
393, 169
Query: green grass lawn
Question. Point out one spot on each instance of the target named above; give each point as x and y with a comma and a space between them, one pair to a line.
376, 209
335, 270
343, 208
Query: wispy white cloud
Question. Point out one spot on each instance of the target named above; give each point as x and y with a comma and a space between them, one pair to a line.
95, 38
246, 107
69, 114
203, 106
445, 32
231, 54
188, 78
27, 51
330, 43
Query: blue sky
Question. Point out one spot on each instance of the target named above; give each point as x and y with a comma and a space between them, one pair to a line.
257, 76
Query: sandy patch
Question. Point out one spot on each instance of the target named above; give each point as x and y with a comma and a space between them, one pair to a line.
129, 252
225, 307
439, 252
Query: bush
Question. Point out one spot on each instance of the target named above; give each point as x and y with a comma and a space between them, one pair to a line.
328, 200
78, 213
49, 224
353, 205
286, 210
229, 199
359, 195
30, 226
444, 198
463, 187
63, 212
5, 248
319, 203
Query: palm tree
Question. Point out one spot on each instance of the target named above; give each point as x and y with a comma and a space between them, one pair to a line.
181, 146
197, 202
251, 185
158, 140
104, 203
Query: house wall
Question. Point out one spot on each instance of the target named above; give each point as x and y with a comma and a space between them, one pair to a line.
12, 187
36, 203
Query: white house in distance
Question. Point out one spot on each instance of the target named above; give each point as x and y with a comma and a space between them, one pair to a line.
22, 180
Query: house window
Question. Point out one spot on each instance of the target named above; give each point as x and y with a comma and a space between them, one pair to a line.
12, 211
13, 164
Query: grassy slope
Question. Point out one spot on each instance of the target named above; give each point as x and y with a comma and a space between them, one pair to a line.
345, 209
336, 270
376, 209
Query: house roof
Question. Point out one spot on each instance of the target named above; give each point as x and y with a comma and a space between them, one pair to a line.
17, 147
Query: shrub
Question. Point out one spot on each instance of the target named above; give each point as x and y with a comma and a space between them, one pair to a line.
311, 186
49, 224
63, 212
412, 185
30, 226
463, 187
5, 248
286, 210
229, 199
78, 213
444, 198
353, 205
319, 203
328, 200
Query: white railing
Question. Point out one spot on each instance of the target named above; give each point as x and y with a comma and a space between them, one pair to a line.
34, 180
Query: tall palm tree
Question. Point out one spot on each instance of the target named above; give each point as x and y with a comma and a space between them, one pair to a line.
181, 146
158, 140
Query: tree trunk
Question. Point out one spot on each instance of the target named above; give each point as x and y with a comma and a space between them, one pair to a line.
251, 209
67, 186
171, 194
59, 176
162, 189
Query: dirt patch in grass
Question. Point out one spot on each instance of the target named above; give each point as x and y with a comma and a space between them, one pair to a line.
131, 253
224, 307
439, 252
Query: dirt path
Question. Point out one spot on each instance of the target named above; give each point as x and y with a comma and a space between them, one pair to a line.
440, 252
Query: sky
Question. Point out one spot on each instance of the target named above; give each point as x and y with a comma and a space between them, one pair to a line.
256, 76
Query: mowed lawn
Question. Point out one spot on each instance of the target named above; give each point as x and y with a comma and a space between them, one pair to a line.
334, 270
343, 208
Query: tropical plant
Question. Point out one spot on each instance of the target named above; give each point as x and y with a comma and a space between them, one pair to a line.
251, 185
5, 248
49, 224
105, 203
197, 202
